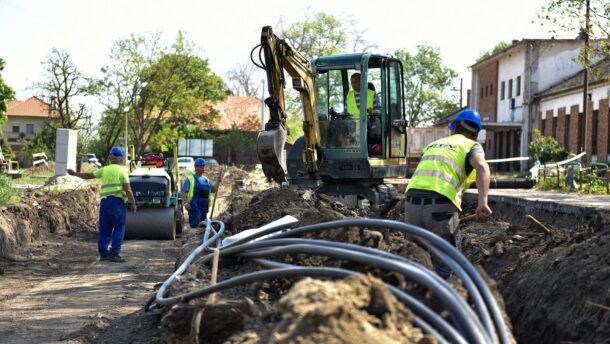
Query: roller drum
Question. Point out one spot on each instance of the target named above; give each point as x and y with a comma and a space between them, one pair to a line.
151, 223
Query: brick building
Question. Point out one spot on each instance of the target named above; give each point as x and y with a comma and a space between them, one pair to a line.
504, 86
561, 113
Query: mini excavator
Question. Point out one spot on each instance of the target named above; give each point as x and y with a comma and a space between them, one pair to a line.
344, 157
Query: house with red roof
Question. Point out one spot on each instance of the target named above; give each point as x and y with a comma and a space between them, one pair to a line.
26, 119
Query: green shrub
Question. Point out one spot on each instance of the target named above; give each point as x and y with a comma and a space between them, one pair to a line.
546, 148
6, 190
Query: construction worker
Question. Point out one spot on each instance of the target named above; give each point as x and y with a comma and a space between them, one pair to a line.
114, 192
353, 98
447, 168
195, 194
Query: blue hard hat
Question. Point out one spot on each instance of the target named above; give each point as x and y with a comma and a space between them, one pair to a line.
469, 115
200, 162
116, 151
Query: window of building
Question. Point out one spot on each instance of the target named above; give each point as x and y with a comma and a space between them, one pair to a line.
486, 91
491, 89
581, 131
482, 94
15, 128
543, 127
554, 128
518, 91
502, 87
510, 88
29, 129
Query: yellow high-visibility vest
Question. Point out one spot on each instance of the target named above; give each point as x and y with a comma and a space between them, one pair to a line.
113, 178
442, 168
191, 193
352, 104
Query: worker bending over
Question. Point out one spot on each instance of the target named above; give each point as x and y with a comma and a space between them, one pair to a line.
447, 168
195, 194
114, 192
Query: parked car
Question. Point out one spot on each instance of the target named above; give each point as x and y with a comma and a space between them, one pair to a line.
186, 163
211, 161
155, 159
92, 159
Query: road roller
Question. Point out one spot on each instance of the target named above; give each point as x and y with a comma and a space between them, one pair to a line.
159, 214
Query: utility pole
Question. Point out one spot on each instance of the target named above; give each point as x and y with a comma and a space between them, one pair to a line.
585, 91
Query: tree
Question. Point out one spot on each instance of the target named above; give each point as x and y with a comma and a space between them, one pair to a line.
157, 88
64, 88
497, 48
242, 79
426, 81
546, 148
6, 94
569, 16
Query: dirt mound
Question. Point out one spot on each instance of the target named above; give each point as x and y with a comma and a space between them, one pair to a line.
356, 309
39, 213
556, 286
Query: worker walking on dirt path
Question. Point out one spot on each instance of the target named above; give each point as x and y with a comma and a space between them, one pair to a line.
114, 192
195, 194
447, 168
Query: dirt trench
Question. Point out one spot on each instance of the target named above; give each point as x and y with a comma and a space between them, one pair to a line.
555, 286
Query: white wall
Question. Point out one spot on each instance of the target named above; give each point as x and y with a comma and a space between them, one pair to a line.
65, 151
575, 97
510, 67
557, 61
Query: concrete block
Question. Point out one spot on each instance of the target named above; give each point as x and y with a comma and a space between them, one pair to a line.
65, 151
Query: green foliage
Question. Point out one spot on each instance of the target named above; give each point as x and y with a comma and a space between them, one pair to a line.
568, 16
546, 148
6, 190
497, 48
6, 94
156, 87
427, 80
550, 183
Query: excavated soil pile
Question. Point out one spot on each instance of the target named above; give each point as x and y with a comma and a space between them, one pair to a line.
38, 213
557, 285
310, 311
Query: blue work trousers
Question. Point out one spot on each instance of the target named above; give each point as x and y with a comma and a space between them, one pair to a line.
198, 212
112, 225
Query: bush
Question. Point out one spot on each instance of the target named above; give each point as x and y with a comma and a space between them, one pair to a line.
6, 190
546, 148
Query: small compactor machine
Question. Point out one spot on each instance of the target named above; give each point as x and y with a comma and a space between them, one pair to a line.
159, 214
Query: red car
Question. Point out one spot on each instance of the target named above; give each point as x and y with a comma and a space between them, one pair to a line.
152, 159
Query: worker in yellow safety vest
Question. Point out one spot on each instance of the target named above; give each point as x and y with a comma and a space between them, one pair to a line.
114, 192
447, 168
353, 99
195, 194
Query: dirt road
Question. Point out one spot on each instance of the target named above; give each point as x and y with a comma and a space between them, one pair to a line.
64, 294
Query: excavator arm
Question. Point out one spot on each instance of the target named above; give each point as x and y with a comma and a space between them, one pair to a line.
280, 56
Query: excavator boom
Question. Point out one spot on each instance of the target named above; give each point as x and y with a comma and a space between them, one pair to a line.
279, 56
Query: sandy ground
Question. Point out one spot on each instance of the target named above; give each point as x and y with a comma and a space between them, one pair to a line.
64, 294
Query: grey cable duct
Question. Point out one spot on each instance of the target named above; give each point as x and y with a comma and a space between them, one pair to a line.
418, 308
459, 310
160, 299
287, 273
434, 240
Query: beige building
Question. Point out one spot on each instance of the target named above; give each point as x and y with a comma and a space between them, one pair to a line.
25, 119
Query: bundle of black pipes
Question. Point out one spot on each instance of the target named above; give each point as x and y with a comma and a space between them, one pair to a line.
483, 323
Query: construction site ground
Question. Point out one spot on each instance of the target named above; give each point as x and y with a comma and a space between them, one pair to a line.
554, 279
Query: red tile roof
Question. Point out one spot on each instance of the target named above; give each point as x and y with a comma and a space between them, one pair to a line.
31, 107
239, 112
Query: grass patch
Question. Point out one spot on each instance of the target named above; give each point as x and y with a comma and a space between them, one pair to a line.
6, 190
38, 178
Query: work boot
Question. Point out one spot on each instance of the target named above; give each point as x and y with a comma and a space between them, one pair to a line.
103, 258
115, 258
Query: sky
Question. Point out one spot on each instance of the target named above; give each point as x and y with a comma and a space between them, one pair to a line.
226, 30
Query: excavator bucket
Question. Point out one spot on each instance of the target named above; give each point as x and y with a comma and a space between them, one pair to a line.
271, 153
